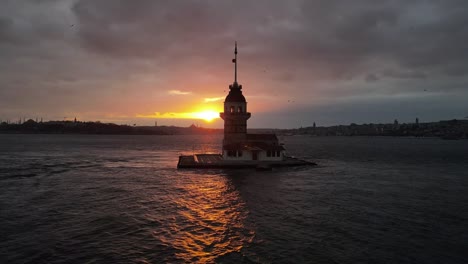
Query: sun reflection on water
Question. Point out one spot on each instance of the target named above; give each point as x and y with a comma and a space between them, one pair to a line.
210, 221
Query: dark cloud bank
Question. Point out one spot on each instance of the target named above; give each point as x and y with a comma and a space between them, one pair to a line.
325, 61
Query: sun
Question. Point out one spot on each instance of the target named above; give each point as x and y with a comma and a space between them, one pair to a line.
207, 115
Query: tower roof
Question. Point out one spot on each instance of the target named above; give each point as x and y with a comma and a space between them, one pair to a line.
235, 93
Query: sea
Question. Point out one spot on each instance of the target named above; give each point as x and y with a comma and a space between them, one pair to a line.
121, 199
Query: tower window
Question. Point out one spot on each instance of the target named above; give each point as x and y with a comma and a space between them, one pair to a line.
232, 109
239, 109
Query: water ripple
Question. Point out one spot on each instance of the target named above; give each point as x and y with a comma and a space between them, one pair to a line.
92, 199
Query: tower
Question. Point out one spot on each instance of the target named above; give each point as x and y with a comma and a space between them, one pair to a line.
235, 113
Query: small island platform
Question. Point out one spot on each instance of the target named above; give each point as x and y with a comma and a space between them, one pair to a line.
216, 161
241, 149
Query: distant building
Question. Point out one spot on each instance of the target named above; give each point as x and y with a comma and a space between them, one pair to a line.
396, 125
237, 144
240, 149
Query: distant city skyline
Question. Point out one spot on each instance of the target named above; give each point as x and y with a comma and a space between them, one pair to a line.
300, 62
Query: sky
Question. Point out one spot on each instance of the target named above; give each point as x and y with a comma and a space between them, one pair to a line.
299, 62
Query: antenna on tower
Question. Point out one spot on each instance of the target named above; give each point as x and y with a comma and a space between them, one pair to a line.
235, 62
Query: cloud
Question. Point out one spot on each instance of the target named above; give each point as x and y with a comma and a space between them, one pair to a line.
178, 92
121, 55
213, 99
334, 39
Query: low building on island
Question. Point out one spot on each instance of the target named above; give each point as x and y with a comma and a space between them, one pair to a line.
241, 149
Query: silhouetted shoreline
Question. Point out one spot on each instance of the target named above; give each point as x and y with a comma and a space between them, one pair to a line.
446, 129
78, 127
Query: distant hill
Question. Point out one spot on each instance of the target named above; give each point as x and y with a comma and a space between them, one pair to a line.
78, 127
447, 129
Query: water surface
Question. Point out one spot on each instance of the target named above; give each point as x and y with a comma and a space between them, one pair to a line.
120, 199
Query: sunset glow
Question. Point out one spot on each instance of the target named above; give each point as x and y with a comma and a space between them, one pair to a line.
206, 115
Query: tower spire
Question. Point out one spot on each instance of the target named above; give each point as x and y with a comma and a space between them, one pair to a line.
235, 63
